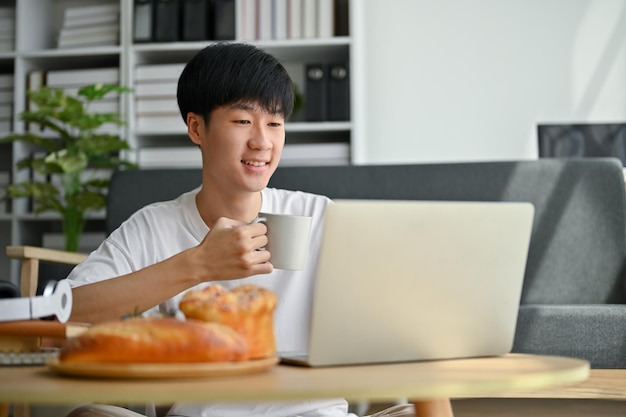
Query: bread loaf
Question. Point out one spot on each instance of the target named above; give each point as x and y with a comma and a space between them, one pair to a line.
155, 340
249, 309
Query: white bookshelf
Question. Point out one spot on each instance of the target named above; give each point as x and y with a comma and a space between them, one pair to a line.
37, 25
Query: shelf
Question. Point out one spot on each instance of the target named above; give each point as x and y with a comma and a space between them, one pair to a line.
37, 27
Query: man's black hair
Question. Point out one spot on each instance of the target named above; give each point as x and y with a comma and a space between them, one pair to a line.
229, 73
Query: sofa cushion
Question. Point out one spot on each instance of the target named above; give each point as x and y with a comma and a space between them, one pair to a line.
596, 333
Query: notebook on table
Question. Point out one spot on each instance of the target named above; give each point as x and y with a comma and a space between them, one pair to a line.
413, 280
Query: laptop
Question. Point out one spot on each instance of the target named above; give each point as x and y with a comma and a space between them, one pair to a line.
416, 280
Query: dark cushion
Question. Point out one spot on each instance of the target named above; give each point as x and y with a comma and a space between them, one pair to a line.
596, 333
130, 190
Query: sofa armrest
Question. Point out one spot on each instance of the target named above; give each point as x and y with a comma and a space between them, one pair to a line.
593, 332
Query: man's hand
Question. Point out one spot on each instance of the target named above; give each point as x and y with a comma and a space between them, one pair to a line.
231, 251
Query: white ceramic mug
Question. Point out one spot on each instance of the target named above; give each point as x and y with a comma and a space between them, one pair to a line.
288, 239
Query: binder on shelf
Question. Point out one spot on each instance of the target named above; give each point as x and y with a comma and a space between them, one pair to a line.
316, 92
224, 20
143, 18
338, 92
196, 15
166, 21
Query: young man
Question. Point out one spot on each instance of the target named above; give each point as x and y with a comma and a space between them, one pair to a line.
234, 99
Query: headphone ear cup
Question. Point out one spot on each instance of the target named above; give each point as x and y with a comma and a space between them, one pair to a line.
9, 290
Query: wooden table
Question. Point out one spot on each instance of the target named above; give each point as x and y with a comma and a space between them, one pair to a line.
428, 385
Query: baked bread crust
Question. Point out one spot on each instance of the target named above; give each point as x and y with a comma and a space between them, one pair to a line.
155, 340
249, 309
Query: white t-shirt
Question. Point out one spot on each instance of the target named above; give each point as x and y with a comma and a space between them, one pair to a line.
164, 229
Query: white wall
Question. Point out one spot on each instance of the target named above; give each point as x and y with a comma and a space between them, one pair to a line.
467, 80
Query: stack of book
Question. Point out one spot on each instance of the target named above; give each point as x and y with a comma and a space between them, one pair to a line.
156, 108
292, 19
7, 29
6, 103
90, 26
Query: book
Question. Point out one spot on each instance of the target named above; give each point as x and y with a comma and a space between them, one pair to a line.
316, 92
6, 80
91, 36
338, 92
36, 79
264, 20
196, 16
279, 29
143, 20
93, 10
7, 11
158, 122
82, 77
77, 31
7, 45
319, 153
6, 111
325, 18
159, 89
294, 19
309, 18
247, 23
89, 20
166, 21
167, 157
7, 24
156, 105
224, 20
158, 72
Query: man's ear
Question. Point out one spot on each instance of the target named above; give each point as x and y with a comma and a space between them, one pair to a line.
195, 127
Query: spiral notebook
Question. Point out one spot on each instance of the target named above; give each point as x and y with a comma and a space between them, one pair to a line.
409, 280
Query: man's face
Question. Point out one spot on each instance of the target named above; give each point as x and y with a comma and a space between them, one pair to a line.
241, 147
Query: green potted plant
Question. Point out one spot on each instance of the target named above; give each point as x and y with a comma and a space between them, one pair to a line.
72, 146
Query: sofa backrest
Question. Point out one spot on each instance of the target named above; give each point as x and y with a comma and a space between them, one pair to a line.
577, 248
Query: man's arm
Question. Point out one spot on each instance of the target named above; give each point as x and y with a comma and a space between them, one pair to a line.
229, 251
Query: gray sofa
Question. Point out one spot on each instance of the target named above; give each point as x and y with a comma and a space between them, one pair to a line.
574, 295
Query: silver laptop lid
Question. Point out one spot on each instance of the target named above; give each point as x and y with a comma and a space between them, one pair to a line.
411, 280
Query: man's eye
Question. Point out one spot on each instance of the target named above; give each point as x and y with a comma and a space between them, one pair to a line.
242, 122
275, 124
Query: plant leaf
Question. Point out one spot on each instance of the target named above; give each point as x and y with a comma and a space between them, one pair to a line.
67, 162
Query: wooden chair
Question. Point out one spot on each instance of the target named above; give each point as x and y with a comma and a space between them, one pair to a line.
31, 257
